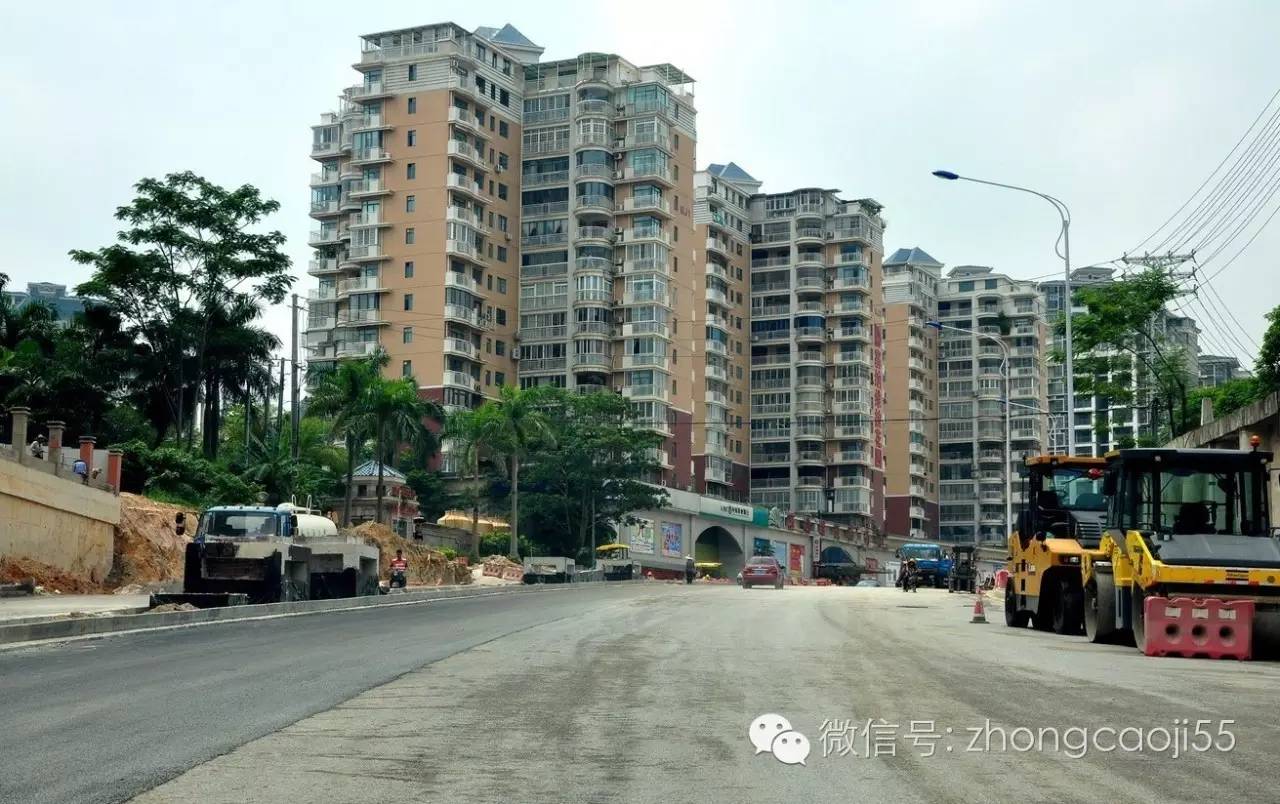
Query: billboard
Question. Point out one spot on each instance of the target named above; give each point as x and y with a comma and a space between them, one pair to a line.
759, 546
642, 537
672, 539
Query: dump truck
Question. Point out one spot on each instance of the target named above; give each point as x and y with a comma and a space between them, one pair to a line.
1188, 562
932, 566
258, 554
616, 562
1062, 517
549, 569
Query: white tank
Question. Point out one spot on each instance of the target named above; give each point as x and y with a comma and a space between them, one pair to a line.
310, 526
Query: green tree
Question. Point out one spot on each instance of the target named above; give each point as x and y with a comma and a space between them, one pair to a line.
467, 440
396, 415
511, 427
1120, 328
432, 490
189, 249
340, 396
1267, 368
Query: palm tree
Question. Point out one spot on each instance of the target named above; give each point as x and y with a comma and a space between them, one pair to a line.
341, 395
511, 426
396, 415
462, 431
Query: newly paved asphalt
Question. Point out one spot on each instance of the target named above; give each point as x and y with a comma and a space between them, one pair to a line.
634, 694
101, 720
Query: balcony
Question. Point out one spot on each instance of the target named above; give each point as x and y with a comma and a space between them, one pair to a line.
644, 360
591, 139
716, 347
461, 379
466, 119
715, 475
850, 456
917, 448
529, 180
322, 325
809, 358
654, 391
651, 265
714, 294
547, 147
851, 333
647, 297
916, 511
809, 233
596, 295
771, 262
362, 188
714, 246
461, 348
852, 406
467, 153
650, 173
714, 372
811, 258
543, 116
851, 283
371, 90
365, 219
851, 431
355, 348
647, 234
362, 318
320, 209
368, 156
595, 172
327, 265
364, 284
716, 322
592, 361
593, 203
593, 264
591, 328
646, 203
543, 210
595, 106
542, 364
461, 248
852, 482
717, 398
645, 328
466, 185
460, 314
324, 237
813, 284
811, 457
810, 333
367, 122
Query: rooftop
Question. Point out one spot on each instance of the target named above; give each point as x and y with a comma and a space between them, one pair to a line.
370, 469
911, 256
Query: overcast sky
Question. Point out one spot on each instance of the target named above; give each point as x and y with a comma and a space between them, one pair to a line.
1121, 109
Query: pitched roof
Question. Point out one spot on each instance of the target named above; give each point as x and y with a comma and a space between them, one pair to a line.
509, 35
370, 469
911, 256
730, 172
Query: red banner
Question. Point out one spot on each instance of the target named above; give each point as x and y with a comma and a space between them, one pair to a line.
796, 560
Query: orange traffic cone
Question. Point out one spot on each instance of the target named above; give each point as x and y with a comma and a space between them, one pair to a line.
979, 613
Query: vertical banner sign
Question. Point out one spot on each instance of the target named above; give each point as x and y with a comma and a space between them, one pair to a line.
796, 562
642, 537
672, 539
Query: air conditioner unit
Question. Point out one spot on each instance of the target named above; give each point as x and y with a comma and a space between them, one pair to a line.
515, 352
477, 388
617, 233
507, 236
831, 333
620, 142
617, 175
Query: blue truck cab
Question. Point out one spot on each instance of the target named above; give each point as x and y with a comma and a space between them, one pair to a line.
931, 562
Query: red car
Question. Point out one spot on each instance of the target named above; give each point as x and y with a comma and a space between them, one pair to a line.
760, 571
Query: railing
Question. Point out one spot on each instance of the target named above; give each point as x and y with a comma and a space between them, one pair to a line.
460, 313
771, 262
645, 391
597, 138
544, 302
810, 332
460, 378
594, 172
595, 106
594, 201
359, 285
546, 116
538, 179
644, 328
543, 333
593, 295
547, 270
592, 263
370, 155
543, 364
641, 203
535, 241
457, 182
459, 346
549, 147
322, 266
592, 359
654, 172
458, 279
355, 348
550, 208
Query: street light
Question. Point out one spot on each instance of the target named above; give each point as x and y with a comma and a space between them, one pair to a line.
1008, 450
1065, 213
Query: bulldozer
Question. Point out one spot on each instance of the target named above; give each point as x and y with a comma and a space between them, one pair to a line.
1188, 563
1061, 521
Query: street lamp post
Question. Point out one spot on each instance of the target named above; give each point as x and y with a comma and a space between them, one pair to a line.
1008, 450
1065, 214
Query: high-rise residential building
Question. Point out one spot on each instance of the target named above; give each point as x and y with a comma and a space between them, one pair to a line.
1218, 369
722, 390
817, 439
609, 283
417, 202
1001, 318
1102, 423
911, 279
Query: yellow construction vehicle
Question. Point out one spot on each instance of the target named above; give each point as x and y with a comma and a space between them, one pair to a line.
1061, 520
1187, 553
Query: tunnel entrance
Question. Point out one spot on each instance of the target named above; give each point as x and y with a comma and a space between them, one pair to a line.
715, 545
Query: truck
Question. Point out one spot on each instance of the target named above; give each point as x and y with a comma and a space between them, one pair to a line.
259, 554
964, 569
1061, 519
836, 564
1187, 553
616, 562
932, 566
549, 569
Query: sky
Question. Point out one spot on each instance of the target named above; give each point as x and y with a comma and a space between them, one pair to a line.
1121, 109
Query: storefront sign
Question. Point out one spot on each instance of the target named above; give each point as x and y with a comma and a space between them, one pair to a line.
710, 506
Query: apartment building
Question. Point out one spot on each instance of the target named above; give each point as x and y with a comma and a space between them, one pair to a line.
1218, 369
1102, 423
987, 318
609, 282
817, 359
722, 412
417, 206
911, 279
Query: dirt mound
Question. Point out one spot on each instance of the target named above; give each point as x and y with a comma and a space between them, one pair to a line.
167, 607
52, 579
427, 567
147, 551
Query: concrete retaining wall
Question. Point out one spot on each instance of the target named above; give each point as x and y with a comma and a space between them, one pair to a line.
56, 521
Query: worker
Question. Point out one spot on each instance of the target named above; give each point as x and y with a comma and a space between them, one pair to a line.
399, 566
688, 569
80, 469
37, 447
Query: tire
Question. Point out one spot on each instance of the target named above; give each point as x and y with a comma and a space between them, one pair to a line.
1067, 613
1013, 616
1100, 609
1138, 618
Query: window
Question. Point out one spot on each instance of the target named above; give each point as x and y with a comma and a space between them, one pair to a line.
489, 281
410, 203
413, 72
408, 301
503, 129
499, 378
486, 377
413, 105
966, 286
502, 257
504, 161
675, 234
675, 140
408, 334
502, 223
500, 348
409, 236
502, 283
501, 316
406, 368
412, 137
504, 97
488, 346
502, 191
408, 269
411, 170
991, 284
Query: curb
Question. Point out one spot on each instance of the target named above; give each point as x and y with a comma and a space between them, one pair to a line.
63, 628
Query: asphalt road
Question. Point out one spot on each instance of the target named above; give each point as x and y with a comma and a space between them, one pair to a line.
636, 694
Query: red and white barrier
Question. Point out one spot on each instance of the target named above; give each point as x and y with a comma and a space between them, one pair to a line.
1184, 626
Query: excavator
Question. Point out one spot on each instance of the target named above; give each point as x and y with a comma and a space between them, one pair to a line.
1061, 521
1188, 563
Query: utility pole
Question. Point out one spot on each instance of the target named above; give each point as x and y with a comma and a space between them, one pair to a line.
248, 414
293, 339
280, 401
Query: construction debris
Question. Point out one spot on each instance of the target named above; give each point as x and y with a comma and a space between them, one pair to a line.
19, 570
161, 609
427, 567
147, 551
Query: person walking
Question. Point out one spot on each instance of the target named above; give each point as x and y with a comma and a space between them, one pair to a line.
688, 569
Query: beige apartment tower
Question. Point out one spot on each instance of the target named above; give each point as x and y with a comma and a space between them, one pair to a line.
911, 279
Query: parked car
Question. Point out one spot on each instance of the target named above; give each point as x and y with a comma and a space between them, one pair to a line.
867, 582
761, 571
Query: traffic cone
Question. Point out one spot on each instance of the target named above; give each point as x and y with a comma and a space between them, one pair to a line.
979, 613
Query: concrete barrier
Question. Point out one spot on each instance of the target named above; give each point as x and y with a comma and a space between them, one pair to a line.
65, 628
